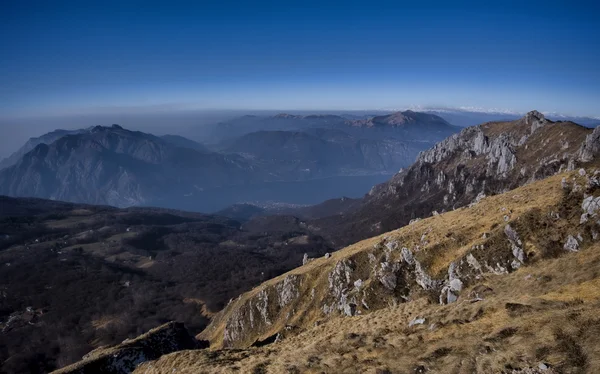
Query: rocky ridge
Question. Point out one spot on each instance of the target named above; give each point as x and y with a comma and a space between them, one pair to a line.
436, 258
483, 160
125, 357
495, 287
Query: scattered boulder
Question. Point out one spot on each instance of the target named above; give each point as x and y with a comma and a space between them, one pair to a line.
516, 247
571, 245
416, 321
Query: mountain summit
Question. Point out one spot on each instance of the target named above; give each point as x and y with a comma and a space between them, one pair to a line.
406, 119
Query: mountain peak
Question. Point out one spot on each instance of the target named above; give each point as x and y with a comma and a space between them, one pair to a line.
405, 119
535, 119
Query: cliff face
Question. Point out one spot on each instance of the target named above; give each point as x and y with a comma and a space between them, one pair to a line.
125, 357
434, 259
483, 160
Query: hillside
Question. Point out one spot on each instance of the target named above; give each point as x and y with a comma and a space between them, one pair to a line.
483, 160
506, 285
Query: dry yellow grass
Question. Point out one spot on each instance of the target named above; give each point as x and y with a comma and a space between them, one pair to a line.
446, 238
520, 324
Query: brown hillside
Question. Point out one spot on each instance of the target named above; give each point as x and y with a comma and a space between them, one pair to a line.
507, 284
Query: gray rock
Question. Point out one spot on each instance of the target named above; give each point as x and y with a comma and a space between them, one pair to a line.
536, 120
416, 321
423, 279
571, 245
516, 246
472, 261
407, 256
413, 221
387, 275
591, 205
591, 146
288, 290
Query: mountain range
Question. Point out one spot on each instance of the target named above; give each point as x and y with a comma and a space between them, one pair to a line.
115, 166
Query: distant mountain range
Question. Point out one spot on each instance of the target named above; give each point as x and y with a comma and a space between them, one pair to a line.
115, 166
465, 117
407, 125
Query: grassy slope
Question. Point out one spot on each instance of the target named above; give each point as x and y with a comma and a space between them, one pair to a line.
544, 312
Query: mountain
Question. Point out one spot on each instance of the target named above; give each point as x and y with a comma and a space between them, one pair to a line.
33, 142
508, 285
483, 160
77, 277
323, 153
115, 166
182, 142
406, 126
406, 120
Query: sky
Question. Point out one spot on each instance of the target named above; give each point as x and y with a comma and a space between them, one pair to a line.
64, 58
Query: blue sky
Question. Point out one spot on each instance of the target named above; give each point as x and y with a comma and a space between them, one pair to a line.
64, 57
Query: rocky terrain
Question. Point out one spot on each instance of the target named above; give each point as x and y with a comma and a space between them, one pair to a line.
507, 285
483, 160
125, 357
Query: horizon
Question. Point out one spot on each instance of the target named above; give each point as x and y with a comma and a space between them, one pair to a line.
188, 122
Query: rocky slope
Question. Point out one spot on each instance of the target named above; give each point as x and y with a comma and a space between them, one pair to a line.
483, 160
125, 357
508, 284
48, 138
